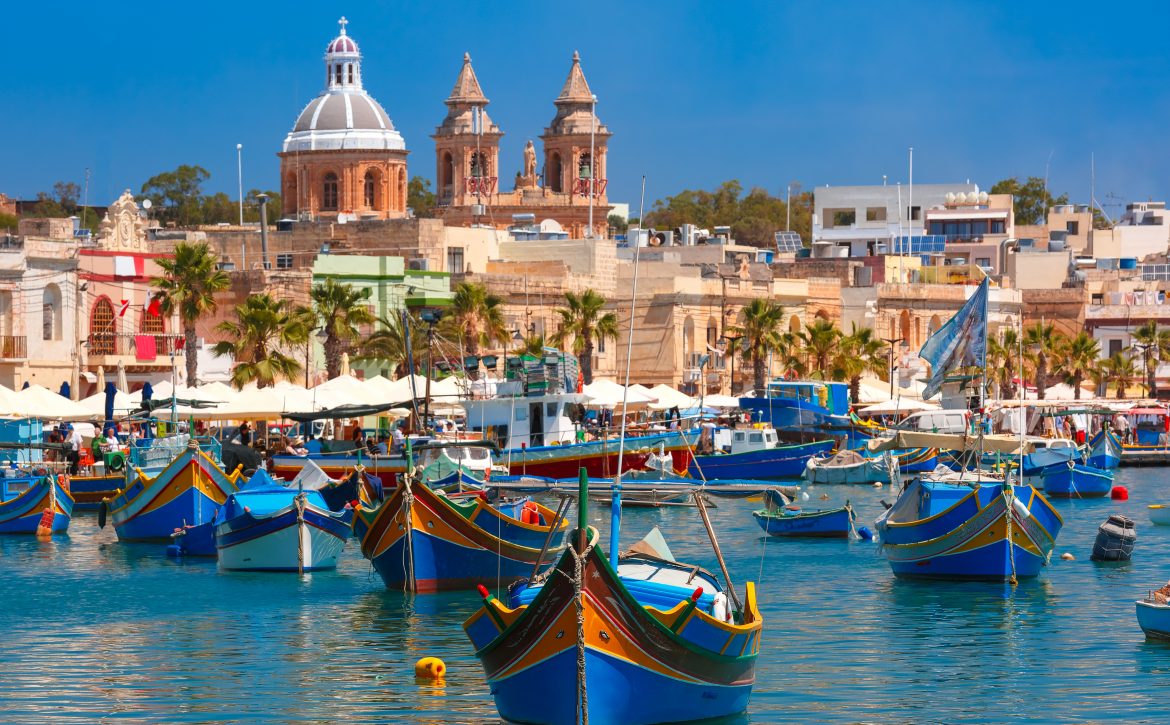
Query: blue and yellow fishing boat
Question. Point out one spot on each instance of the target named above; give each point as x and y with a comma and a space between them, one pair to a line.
658, 641
1105, 450
977, 528
783, 518
31, 502
1076, 480
424, 540
174, 482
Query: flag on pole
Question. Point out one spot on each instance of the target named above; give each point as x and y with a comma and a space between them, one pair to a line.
122, 309
961, 342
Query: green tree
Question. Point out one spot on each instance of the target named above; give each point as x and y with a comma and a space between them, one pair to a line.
617, 223
9, 222
475, 318
47, 206
1041, 343
263, 328
188, 286
177, 194
340, 310
760, 333
754, 218
1003, 362
420, 198
1121, 370
252, 206
1153, 345
1079, 359
218, 208
858, 353
820, 342
388, 344
1032, 200
583, 320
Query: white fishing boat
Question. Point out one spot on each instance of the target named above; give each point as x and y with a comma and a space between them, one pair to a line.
846, 467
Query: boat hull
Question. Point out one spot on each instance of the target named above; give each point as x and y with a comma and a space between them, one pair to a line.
1076, 481
599, 458
424, 543
1154, 619
782, 462
1159, 514
186, 491
1105, 451
23, 513
89, 491
385, 469
977, 537
280, 542
835, 524
858, 473
640, 667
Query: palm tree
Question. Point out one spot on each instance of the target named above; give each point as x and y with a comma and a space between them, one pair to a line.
532, 345
1079, 359
262, 329
858, 353
475, 318
759, 335
1041, 341
340, 310
583, 320
1121, 369
188, 286
820, 345
1154, 345
1003, 359
386, 345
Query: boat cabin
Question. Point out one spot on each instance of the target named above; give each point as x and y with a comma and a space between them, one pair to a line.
526, 421
742, 440
936, 421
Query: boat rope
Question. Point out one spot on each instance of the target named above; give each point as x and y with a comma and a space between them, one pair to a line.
499, 549
562, 508
407, 512
764, 552
1008, 492
852, 527
579, 600
299, 502
1072, 479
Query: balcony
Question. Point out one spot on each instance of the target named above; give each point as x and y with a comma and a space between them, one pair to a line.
13, 347
110, 348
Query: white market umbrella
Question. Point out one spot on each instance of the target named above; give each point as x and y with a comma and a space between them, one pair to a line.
897, 405
720, 401
608, 394
668, 398
36, 401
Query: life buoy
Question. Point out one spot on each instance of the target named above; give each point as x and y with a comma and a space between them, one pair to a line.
530, 514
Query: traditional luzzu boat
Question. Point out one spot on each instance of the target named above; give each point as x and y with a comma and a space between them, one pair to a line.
1105, 450
756, 453
269, 527
90, 491
32, 503
1076, 480
650, 641
783, 518
420, 539
173, 482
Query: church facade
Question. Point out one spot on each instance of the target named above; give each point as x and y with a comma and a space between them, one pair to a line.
345, 161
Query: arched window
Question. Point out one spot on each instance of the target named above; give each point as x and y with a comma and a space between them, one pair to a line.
51, 313
349, 68
794, 324
370, 190
553, 179
337, 74
6, 325
401, 202
478, 165
291, 201
904, 320
446, 176
585, 167
329, 192
102, 327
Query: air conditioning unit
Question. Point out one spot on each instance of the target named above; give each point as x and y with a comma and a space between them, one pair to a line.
417, 264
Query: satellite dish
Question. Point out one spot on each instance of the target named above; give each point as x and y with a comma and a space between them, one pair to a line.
146, 204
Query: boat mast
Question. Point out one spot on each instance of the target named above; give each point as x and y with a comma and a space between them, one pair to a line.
615, 519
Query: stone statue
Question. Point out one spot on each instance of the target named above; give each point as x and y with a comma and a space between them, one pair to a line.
529, 160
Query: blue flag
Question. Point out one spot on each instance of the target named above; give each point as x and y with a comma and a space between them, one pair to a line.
961, 342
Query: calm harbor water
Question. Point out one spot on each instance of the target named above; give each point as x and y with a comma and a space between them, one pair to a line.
97, 631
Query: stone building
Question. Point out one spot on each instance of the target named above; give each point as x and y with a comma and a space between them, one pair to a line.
343, 159
571, 189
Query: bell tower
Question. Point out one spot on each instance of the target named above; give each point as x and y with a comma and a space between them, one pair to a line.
575, 145
467, 145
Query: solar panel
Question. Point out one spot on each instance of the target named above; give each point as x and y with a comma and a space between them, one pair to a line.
924, 244
788, 242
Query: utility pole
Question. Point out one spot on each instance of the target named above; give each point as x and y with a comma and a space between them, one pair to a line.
240, 177
891, 341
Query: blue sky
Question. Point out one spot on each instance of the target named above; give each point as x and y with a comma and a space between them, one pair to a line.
695, 93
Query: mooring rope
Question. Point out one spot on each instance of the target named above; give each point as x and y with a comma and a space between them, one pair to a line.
1008, 493
579, 599
407, 511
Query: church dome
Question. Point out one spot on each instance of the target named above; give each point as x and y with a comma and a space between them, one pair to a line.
344, 116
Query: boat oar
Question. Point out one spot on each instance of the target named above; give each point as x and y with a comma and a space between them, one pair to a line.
698, 496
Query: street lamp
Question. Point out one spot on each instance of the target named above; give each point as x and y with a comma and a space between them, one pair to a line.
240, 177
729, 349
891, 341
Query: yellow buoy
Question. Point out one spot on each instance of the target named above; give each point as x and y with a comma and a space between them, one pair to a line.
432, 668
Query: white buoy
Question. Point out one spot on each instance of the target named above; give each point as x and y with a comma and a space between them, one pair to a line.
804, 495
1068, 557
877, 484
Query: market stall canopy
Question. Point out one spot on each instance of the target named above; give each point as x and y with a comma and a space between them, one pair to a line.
608, 394
448, 389
727, 402
668, 398
346, 390
36, 401
124, 404
897, 405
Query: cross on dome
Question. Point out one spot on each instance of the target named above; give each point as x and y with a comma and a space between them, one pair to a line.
343, 22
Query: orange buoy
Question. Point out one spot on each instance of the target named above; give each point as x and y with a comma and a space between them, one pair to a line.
430, 668
1119, 493
45, 526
